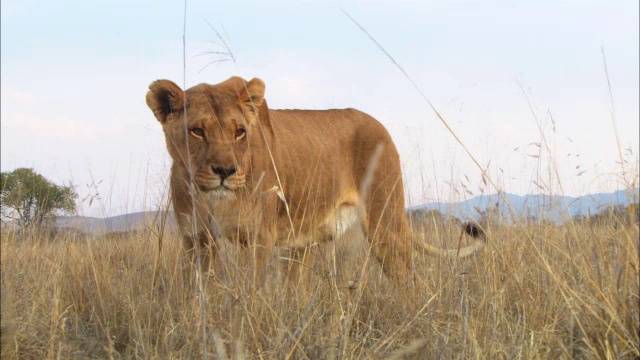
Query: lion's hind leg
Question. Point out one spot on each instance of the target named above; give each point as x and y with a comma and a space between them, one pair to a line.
390, 236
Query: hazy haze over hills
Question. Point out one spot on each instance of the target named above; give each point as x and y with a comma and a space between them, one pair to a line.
556, 208
541, 206
120, 223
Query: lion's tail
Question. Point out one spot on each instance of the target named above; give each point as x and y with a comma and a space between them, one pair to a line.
472, 229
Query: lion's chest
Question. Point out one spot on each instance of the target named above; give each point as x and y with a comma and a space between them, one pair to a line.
247, 222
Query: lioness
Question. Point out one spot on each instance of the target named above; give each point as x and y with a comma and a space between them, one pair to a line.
281, 177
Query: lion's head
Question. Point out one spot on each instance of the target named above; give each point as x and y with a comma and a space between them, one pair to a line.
220, 119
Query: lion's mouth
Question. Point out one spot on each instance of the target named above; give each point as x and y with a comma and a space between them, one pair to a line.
219, 188
218, 193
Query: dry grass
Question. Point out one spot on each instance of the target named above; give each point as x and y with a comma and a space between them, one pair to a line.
535, 292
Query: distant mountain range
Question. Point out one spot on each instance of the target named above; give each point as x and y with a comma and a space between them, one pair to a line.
556, 208
120, 223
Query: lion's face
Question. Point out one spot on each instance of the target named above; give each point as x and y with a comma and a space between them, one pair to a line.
220, 119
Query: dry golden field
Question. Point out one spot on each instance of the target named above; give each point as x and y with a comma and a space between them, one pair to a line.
535, 291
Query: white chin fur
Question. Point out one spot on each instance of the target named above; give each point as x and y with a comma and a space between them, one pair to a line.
221, 194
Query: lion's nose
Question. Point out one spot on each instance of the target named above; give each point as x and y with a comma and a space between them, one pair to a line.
224, 172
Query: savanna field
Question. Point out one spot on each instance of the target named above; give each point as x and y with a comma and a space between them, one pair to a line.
536, 291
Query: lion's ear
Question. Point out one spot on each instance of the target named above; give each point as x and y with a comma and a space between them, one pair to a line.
163, 98
255, 96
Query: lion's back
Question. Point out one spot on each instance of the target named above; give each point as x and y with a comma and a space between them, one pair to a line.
335, 129
340, 141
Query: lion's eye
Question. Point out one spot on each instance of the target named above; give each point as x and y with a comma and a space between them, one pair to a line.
197, 132
240, 133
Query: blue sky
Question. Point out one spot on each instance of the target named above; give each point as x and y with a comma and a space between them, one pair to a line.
74, 76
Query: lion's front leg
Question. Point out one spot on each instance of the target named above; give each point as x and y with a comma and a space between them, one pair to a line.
201, 251
262, 253
199, 244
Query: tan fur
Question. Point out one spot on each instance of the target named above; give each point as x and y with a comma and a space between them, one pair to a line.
315, 159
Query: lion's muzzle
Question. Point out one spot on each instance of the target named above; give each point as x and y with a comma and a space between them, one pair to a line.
219, 179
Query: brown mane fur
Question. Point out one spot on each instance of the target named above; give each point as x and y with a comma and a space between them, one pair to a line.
281, 176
